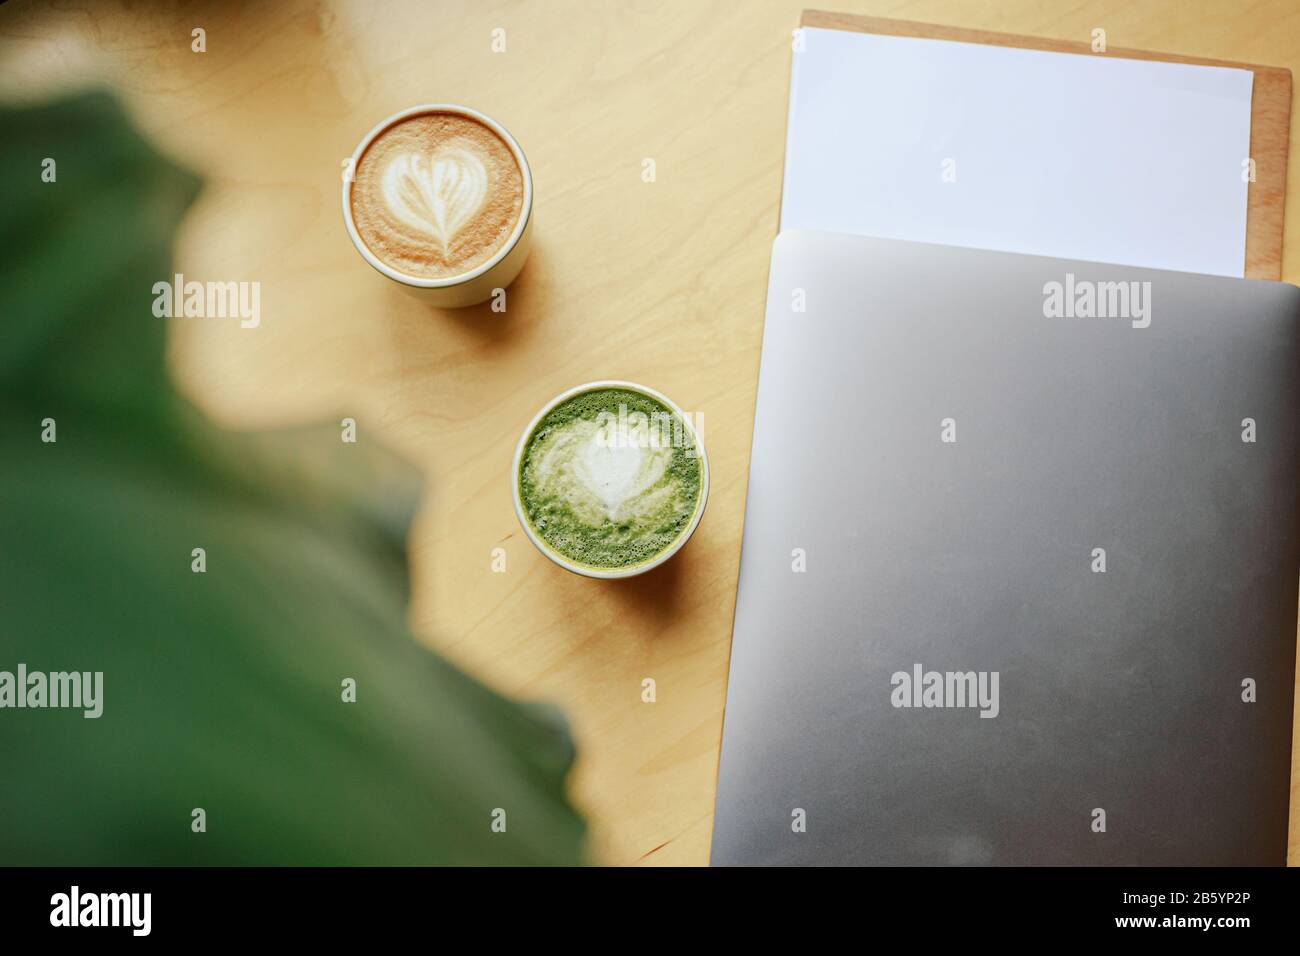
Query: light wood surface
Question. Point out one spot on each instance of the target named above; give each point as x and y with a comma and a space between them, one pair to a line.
658, 282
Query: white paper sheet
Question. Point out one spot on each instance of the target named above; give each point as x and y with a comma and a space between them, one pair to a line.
1079, 156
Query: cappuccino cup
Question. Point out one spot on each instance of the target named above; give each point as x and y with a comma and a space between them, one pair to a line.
610, 479
439, 199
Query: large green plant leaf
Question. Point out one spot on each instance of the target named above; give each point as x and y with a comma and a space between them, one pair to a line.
222, 690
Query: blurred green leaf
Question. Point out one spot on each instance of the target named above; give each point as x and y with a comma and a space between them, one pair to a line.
222, 690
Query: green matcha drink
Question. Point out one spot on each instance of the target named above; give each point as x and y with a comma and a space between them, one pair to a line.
610, 477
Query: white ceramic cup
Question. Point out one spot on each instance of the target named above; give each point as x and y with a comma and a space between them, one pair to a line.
632, 569
479, 283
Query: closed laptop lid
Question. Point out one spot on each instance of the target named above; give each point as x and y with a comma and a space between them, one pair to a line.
1020, 563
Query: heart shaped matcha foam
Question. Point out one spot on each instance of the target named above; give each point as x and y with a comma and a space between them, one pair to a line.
610, 478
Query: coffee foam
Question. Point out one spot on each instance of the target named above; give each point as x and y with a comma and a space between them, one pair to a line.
436, 195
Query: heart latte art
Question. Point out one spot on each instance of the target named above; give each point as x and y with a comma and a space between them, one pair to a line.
610, 478
436, 195
600, 480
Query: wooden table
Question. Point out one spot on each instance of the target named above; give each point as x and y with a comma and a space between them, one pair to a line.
660, 282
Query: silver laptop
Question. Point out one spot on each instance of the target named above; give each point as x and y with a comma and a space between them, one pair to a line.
1020, 564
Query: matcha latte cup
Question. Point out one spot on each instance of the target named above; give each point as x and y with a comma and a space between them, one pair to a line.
610, 479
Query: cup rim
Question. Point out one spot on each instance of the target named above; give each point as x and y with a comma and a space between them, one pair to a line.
447, 281
588, 570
